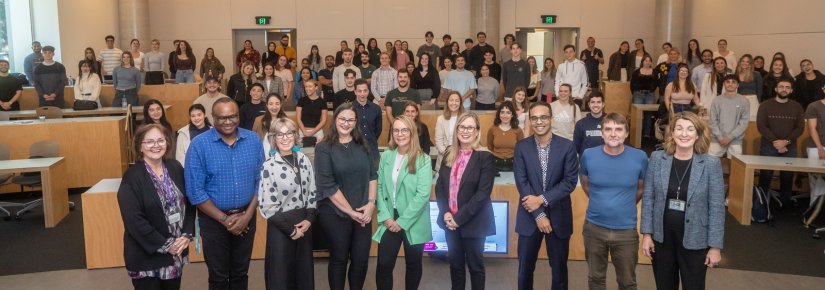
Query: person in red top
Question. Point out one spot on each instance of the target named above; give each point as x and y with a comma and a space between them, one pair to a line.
248, 54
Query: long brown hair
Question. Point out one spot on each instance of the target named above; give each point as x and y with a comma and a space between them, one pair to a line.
267, 119
394, 55
714, 73
513, 120
417, 118
702, 143
689, 86
748, 74
525, 104
414, 153
552, 69
447, 113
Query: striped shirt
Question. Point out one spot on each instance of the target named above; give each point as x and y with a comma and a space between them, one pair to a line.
111, 59
383, 81
227, 175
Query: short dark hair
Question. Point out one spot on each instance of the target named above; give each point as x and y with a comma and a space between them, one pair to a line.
509, 35
731, 77
3, 60
468, 40
785, 79
515, 43
403, 71
711, 53
447, 36
481, 33
429, 33
668, 44
141, 132
48, 48
569, 46
109, 36
541, 104
222, 101
33, 42
596, 95
347, 49
329, 56
359, 82
349, 71
284, 36
176, 41
615, 118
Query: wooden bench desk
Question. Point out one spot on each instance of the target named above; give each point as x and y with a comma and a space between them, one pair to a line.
53, 174
27, 114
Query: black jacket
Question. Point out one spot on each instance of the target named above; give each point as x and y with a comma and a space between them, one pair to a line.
475, 208
801, 85
144, 220
238, 89
660, 71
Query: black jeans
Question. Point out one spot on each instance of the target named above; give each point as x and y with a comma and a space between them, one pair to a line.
226, 255
153, 283
672, 261
347, 240
528, 254
467, 251
388, 254
288, 263
485, 107
785, 177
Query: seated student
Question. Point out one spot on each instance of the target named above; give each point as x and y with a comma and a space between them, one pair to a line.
567, 113
445, 124
298, 91
681, 92
240, 83
588, 131
274, 103
271, 82
311, 111
87, 86
347, 94
522, 109
153, 113
198, 123
503, 135
252, 109
729, 116
10, 89
411, 110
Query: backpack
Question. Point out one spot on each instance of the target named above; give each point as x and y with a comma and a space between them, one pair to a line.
760, 212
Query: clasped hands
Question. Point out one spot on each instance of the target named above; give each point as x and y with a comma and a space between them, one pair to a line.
300, 229
363, 215
180, 244
237, 224
781, 145
448, 219
532, 203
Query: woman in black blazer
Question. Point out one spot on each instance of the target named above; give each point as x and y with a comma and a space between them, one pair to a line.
158, 231
465, 211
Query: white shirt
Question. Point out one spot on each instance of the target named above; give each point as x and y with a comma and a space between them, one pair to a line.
139, 59
575, 74
452, 129
338, 82
730, 58
399, 160
662, 58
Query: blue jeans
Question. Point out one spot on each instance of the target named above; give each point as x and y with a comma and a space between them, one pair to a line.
678, 108
185, 77
785, 177
130, 95
645, 98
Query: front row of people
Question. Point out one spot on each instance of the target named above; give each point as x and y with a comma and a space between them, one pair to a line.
228, 178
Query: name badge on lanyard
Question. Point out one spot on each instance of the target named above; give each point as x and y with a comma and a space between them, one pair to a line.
174, 218
676, 204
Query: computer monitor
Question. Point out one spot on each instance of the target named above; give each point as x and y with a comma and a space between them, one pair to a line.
493, 244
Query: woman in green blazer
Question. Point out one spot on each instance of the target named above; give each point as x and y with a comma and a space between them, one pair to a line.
403, 204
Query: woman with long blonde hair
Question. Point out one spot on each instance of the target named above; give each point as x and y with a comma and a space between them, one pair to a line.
535, 80
445, 124
750, 82
240, 83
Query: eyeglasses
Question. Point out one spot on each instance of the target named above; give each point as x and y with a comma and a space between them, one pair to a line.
466, 129
543, 118
346, 121
404, 131
784, 87
285, 135
231, 118
152, 143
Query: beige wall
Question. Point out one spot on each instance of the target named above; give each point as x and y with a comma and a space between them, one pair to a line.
765, 27
78, 30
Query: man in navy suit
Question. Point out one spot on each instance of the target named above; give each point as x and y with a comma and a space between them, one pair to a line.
546, 172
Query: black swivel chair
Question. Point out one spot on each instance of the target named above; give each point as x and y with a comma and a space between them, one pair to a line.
42, 149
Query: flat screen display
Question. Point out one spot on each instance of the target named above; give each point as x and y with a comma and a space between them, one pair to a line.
494, 244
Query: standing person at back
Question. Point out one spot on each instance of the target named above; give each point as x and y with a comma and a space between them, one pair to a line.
11, 89
338, 74
399, 96
573, 73
515, 72
461, 81
50, 79
383, 80
111, 57
325, 77
592, 58
32, 60
588, 130
210, 97
429, 48
780, 121
729, 118
477, 53
723, 51
504, 53
347, 95
285, 49
567, 113
612, 176
172, 70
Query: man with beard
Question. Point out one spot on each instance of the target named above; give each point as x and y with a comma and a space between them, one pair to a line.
338, 74
698, 72
10, 89
400, 95
326, 79
780, 121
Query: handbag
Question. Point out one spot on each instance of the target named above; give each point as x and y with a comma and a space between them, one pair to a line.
84, 105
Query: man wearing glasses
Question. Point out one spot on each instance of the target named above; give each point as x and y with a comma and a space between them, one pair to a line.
222, 172
780, 121
370, 115
546, 170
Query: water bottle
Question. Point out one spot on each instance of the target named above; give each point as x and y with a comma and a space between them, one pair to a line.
71, 81
123, 102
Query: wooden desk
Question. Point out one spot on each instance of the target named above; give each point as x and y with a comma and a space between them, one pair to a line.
95, 148
179, 96
53, 177
636, 122
617, 97
742, 179
103, 226
27, 114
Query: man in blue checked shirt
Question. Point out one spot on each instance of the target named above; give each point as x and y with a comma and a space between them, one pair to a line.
223, 168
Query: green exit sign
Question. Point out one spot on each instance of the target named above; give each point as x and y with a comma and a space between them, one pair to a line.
549, 19
262, 20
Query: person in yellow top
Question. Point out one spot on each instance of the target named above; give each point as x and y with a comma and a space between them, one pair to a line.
285, 49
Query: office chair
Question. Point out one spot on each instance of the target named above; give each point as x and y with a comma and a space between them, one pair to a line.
50, 112
42, 149
5, 179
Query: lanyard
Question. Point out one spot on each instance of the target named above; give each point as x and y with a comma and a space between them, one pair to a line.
165, 184
680, 179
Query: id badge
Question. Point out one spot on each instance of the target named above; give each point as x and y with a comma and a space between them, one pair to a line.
676, 204
174, 218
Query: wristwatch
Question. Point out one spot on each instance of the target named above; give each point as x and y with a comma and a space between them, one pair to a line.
371, 200
223, 219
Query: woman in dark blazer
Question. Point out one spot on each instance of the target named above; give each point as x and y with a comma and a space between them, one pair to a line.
465, 211
617, 67
683, 206
157, 216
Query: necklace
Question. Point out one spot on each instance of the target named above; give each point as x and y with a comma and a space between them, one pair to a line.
399, 162
294, 168
680, 179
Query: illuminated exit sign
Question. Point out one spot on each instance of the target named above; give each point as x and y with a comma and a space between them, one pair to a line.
548, 19
262, 20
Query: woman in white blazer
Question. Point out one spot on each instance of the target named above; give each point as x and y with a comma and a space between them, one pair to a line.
198, 123
445, 123
711, 82
87, 85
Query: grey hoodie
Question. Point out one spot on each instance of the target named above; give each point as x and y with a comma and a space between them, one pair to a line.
729, 117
